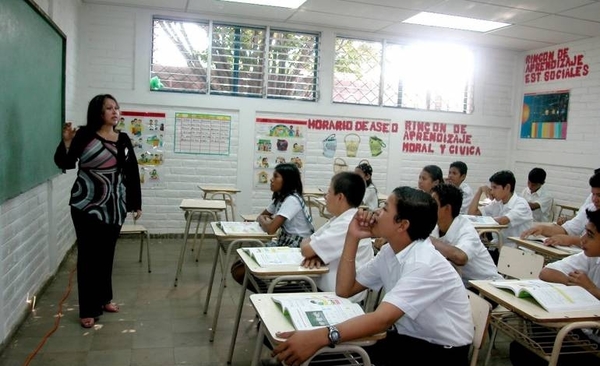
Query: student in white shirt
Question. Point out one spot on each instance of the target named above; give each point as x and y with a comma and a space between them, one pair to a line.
365, 170
561, 220
536, 195
569, 232
430, 176
507, 208
326, 244
582, 269
456, 176
458, 240
425, 303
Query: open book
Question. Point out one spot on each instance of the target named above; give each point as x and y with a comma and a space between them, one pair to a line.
553, 297
536, 238
274, 256
567, 248
315, 311
481, 220
245, 227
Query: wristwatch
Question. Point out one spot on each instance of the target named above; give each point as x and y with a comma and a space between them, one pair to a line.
334, 336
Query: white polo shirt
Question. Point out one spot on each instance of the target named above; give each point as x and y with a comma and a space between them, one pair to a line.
576, 225
467, 198
580, 262
518, 212
544, 199
328, 243
480, 266
296, 221
424, 285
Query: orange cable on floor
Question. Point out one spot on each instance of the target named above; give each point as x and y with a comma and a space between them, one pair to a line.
59, 316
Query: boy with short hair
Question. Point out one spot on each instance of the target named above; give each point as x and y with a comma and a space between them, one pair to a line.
325, 246
456, 176
459, 242
507, 208
569, 232
425, 300
538, 198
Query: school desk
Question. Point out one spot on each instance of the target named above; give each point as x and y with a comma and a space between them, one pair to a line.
527, 320
227, 194
551, 253
262, 278
197, 208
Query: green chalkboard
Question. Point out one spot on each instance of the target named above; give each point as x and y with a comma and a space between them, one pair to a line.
32, 96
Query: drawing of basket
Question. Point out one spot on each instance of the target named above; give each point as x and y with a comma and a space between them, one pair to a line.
339, 165
352, 140
376, 145
329, 146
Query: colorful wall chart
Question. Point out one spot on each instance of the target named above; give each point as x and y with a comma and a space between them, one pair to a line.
545, 115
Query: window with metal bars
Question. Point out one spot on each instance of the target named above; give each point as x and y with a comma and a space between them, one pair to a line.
425, 76
244, 61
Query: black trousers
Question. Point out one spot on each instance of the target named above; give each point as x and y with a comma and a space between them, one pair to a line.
96, 242
391, 350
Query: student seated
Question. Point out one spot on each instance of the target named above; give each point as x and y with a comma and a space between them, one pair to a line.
539, 199
458, 240
581, 269
456, 176
507, 208
561, 220
425, 310
430, 176
370, 199
286, 213
569, 232
326, 244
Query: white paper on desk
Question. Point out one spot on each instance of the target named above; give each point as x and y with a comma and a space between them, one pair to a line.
481, 220
276, 256
246, 227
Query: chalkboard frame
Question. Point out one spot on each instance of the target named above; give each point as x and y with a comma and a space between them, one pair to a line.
31, 105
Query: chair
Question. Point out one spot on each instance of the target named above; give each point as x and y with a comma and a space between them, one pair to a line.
480, 310
343, 354
515, 264
143, 232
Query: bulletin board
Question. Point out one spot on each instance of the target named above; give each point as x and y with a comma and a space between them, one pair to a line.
32, 97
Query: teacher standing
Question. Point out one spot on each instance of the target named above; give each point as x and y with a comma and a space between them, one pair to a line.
106, 188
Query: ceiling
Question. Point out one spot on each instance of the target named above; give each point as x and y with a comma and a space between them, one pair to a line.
535, 23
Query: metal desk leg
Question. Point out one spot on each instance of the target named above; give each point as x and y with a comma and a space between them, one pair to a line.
220, 296
236, 323
216, 218
183, 246
259, 345
148, 249
212, 276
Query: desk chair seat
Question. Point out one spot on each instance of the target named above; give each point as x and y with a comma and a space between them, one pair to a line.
143, 232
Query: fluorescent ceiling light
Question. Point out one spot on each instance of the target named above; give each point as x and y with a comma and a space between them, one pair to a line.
292, 4
455, 22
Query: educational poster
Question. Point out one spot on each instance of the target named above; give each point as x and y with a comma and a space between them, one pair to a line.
545, 115
146, 131
202, 133
277, 140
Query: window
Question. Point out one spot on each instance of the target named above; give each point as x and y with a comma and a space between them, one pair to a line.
179, 55
244, 61
357, 71
293, 65
422, 76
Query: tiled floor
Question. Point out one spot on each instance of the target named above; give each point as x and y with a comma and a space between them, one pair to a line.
158, 324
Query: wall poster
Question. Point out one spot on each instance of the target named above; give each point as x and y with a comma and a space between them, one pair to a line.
146, 131
277, 140
545, 115
201, 133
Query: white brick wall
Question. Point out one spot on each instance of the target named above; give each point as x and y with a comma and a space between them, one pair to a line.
108, 52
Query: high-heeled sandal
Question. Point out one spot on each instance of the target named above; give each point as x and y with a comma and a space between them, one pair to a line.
111, 307
87, 322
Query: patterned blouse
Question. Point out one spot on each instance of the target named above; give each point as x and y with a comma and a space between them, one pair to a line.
101, 188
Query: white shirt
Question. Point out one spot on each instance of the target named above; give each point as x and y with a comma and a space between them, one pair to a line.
576, 226
296, 221
544, 199
518, 212
424, 285
370, 199
480, 266
467, 197
328, 243
580, 262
